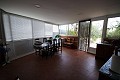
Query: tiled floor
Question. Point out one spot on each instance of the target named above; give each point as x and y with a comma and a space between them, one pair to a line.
71, 65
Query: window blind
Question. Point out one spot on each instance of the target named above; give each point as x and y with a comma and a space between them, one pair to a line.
21, 27
7, 27
38, 29
48, 30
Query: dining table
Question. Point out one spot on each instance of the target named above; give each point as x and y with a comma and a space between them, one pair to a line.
48, 48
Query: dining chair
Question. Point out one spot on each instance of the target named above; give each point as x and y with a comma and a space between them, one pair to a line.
44, 40
47, 51
54, 45
60, 45
50, 38
49, 41
37, 47
37, 39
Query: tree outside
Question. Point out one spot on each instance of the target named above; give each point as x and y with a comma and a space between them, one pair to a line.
73, 29
114, 31
96, 32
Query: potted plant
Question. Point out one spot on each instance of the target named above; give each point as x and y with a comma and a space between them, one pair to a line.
57, 36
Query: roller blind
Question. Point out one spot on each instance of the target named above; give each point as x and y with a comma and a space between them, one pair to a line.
48, 30
7, 27
38, 29
21, 27
55, 28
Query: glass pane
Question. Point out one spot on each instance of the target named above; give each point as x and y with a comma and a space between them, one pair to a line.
84, 35
73, 29
113, 27
38, 29
21, 27
63, 29
96, 32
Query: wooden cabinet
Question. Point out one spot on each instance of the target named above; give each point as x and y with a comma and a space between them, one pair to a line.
104, 51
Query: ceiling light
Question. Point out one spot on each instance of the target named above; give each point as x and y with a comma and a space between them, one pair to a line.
37, 5
79, 14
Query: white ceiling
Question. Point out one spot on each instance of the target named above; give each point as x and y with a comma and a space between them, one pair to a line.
61, 11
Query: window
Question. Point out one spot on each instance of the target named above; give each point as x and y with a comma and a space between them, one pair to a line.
113, 28
69, 29
63, 29
73, 29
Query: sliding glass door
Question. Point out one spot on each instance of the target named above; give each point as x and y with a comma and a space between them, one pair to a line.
96, 35
84, 30
96, 32
90, 33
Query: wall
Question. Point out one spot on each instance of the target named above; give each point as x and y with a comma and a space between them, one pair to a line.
2, 36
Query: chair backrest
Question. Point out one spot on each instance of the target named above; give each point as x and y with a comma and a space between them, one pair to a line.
38, 43
59, 42
50, 38
36, 39
68, 40
55, 42
49, 41
44, 39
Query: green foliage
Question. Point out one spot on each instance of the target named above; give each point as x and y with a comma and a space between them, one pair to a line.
57, 36
115, 33
71, 32
95, 33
